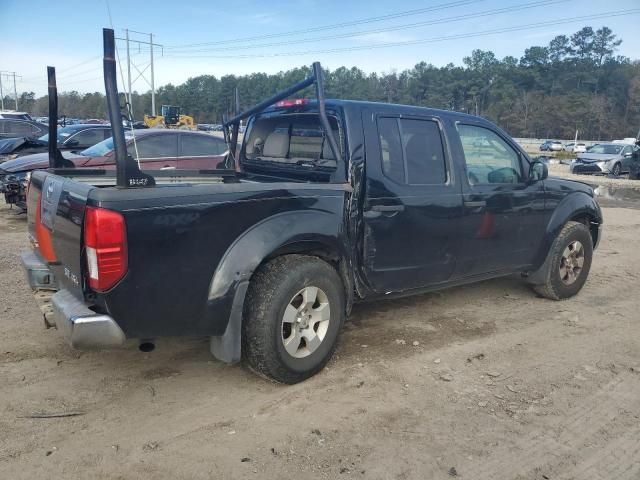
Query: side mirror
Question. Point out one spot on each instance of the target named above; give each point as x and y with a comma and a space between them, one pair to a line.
538, 171
628, 155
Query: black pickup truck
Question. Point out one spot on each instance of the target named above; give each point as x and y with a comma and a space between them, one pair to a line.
327, 203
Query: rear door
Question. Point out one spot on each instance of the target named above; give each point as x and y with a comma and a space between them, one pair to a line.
200, 151
504, 217
18, 128
413, 203
156, 151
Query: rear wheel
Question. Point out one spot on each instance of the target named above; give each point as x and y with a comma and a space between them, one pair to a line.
571, 253
293, 313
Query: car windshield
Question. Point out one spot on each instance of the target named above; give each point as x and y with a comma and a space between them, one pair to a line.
62, 134
606, 149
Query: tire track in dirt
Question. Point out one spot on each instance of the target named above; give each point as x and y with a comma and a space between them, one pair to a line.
581, 439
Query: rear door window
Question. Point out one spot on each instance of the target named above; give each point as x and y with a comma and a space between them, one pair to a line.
202, 146
412, 151
20, 128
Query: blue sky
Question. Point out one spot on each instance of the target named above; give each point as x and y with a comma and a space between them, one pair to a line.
67, 34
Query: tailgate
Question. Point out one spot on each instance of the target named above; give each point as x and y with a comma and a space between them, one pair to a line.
60, 214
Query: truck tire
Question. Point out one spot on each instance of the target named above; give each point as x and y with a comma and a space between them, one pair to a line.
293, 313
571, 255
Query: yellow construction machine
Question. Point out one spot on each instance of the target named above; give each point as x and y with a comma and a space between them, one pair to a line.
170, 117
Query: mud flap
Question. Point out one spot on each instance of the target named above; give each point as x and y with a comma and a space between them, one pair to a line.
541, 276
228, 347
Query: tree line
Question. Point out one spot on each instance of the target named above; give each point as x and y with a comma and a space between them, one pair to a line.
574, 82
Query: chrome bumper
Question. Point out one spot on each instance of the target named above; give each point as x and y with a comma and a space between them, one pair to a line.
38, 274
82, 328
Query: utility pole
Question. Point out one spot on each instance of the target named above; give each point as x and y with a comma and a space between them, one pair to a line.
15, 90
153, 88
1, 94
129, 71
130, 64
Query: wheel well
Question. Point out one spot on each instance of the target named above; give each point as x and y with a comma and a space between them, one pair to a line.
311, 248
591, 223
324, 252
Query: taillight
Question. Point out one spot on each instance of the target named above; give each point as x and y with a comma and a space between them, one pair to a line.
105, 242
293, 102
43, 235
28, 179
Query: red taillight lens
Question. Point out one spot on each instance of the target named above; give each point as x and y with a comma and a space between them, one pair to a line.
43, 236
294, 102
105, 242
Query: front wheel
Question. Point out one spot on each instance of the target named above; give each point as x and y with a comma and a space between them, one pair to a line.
294, 310
617, 169
571, 255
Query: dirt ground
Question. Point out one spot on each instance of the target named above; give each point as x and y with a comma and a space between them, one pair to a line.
501, 385
561, 170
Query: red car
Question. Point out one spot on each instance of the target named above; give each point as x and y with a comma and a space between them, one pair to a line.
155, 149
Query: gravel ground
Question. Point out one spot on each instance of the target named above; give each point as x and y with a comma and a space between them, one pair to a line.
479, 382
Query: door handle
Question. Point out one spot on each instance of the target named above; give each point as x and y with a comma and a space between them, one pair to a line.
387, 208
377, 211
475, 203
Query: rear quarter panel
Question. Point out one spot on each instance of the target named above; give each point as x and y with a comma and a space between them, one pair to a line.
177, 236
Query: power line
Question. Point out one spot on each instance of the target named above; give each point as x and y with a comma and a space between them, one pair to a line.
15, 91
381, 18
141, 72
455, 18
424, 40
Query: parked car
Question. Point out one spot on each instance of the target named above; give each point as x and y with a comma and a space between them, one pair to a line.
551, 146
389, 200
76, 137
12, 128
575, 147
13, 115
607, 158
154, 149
634, 169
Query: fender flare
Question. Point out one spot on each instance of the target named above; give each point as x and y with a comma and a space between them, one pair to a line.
574, 205
247, 253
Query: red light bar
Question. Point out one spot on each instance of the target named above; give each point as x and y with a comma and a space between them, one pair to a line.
294, 102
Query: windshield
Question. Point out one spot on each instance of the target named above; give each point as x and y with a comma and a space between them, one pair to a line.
606, 149
99, 149
61, 135
104, 147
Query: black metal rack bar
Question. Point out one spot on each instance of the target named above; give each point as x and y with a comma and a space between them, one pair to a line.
315, 78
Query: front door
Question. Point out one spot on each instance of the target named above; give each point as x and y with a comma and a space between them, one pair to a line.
504, 218
413, 203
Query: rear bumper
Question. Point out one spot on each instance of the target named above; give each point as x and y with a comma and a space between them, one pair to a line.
39, 275
82, 327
